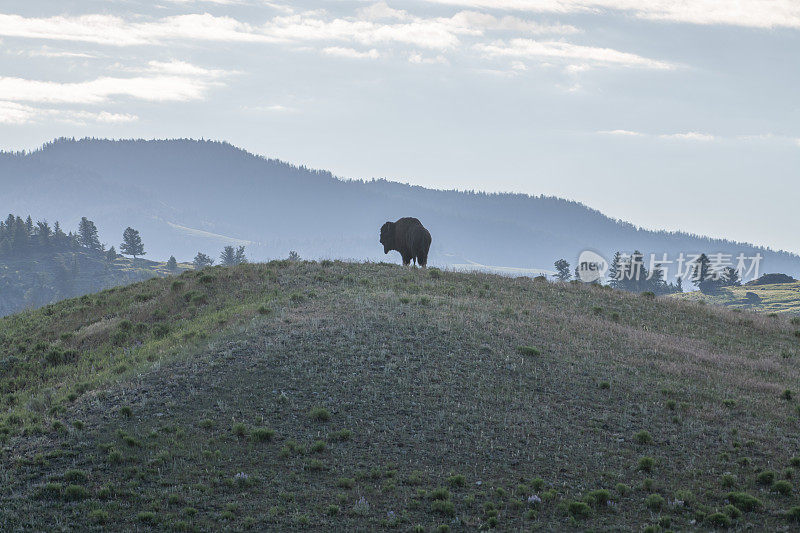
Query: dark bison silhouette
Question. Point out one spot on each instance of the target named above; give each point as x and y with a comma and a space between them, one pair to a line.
409, 237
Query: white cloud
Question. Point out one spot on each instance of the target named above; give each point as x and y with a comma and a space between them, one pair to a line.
771, 138
748, 13
576, 68
521, 48
433, 33
480, 22
102, 117
621, 132
274, 108
283, 8
370, 34
46, 52
683, 136
759, 137
536, 6
419, 59
381, 11
783, 140
116, 31
424, 33
182, 68
497, 72
279, 108
351, 53
688, 136
15, 113
154, 89
158, 81
219, 2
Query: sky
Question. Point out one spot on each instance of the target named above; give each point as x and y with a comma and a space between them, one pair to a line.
671, 115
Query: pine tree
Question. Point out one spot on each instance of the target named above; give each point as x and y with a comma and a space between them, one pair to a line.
132, 243
59, 237
228, 256
240, 257
44, 233
702, 276
201, 260
111, 254
657, 283
700, 272
638, 273
731, 277
87, 234
615, 270
172, 264
19, 236
562, 270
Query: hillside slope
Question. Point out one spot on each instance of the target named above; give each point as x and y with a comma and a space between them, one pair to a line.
42, 278
340, 396
187, 196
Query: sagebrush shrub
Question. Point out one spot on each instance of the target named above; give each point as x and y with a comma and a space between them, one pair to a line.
319, 414
646, 464
744, 501
766, 477
263, 434
643, 437
579, 509
654, 502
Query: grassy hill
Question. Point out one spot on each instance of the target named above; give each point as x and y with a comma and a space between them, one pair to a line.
339, 396
42, 278
772, 298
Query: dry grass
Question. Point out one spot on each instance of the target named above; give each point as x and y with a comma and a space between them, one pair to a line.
426, 374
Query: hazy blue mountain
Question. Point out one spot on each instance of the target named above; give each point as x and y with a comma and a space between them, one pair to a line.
186, 196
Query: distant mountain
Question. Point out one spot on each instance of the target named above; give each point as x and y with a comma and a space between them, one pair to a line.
186, 196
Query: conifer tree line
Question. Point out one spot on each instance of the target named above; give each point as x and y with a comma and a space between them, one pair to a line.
20, 238
230, 256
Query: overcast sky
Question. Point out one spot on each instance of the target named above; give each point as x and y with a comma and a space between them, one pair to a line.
678, 115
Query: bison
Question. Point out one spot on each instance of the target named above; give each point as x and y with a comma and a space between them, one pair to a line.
409, 237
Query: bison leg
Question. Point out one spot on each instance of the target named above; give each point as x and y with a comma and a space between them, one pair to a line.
406, 260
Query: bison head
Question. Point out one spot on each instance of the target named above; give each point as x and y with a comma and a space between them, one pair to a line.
387, 237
